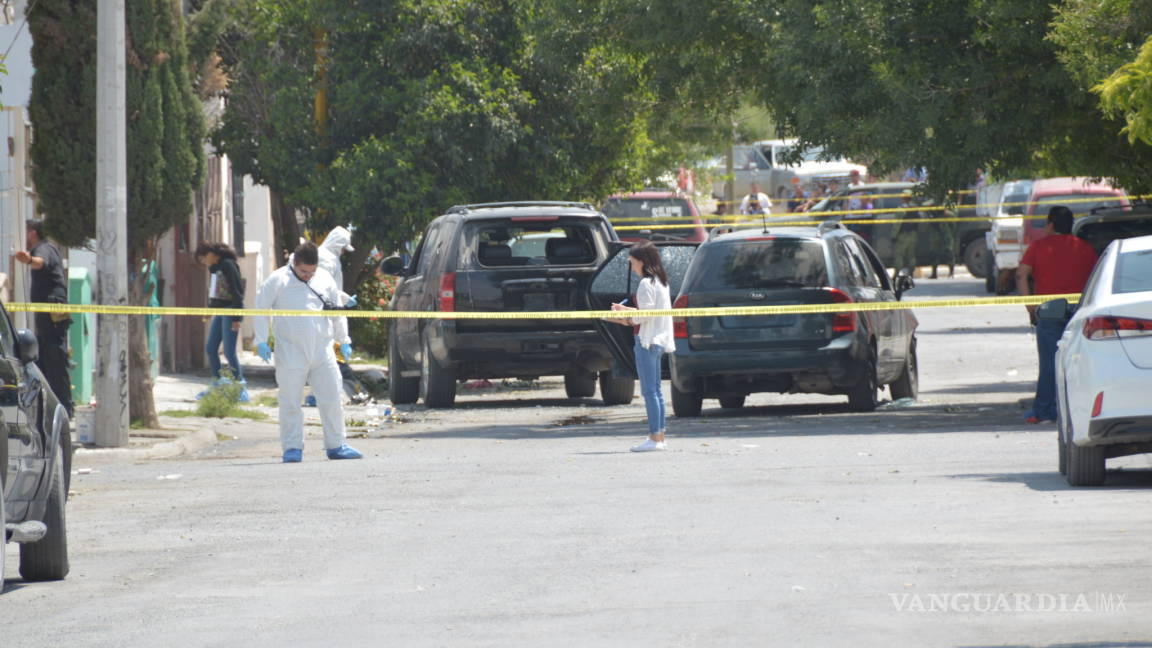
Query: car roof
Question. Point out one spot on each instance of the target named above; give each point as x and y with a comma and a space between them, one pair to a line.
648, 193
1046, 186
1140, 211
789, 231
482, 211
1135, 244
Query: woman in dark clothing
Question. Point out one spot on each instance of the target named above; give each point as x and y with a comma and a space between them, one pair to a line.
225, 290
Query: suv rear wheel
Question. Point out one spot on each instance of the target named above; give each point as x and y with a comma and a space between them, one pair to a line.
686, 404
437, 384
862, 396
732, 402
616, 391
47, 558
580, 384
402, 391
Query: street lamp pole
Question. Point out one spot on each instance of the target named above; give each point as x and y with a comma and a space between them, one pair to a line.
111, 225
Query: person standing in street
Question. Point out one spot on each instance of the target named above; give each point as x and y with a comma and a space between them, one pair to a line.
755, 202
304, 352
1058, 263
654, 338
225, 290
49, 286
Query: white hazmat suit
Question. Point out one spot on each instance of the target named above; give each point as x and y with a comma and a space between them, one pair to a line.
338, 241
304, 352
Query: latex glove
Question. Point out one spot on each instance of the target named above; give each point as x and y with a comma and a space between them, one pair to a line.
351, 303
346, 351
264, 351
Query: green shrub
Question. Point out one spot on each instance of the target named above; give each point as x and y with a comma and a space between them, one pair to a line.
370, 334
222, 398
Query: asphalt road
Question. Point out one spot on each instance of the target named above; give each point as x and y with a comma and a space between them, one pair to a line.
520, 518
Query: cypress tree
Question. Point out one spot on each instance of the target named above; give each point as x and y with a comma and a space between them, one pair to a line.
165, 141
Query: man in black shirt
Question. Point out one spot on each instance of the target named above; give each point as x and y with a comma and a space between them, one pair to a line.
49, 286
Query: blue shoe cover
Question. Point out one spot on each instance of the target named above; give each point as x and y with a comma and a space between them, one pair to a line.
344, 452
293, 455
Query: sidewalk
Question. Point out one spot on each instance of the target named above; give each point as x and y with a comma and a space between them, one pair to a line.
182, 432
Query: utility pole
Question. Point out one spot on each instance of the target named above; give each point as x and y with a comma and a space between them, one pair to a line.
111, 225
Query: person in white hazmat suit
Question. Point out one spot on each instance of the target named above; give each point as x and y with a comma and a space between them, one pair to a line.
304, 352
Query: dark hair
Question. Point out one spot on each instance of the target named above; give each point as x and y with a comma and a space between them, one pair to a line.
648, 255
35, 225
1061, 218
306, 254
222, 250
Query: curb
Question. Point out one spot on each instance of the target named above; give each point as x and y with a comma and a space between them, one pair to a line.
186, 444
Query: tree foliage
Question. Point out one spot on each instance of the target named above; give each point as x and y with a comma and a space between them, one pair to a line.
1128, 91
443, 102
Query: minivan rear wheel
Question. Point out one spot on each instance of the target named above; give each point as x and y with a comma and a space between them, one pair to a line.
437, 384
908, 384
686, 404
615, 390
580, 384
862, 396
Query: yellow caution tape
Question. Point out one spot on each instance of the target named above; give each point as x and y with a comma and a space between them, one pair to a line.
732, 311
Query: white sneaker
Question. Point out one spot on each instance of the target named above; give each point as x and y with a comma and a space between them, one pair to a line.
649, 446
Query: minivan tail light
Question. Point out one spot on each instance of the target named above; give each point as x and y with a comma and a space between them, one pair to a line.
1098, 405
1114, 328
680, 324
448, 292
842, 322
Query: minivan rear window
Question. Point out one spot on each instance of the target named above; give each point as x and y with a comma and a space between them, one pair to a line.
672, 216
519, 243
760, 264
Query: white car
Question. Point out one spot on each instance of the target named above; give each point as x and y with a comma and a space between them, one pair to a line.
1104, 364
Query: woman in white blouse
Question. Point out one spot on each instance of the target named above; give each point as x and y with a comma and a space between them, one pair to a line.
654, 338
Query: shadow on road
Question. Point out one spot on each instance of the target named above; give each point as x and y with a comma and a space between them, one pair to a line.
812, 419
1022, 386
1022, 331
1125, 479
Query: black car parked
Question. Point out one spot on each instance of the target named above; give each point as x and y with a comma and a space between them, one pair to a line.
35, 460
1103, 225
853, 353
502, 257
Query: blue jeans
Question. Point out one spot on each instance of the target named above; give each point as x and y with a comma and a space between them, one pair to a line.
220, 331
648, 368
1047, 335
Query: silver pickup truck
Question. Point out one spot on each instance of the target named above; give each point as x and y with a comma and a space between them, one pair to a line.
765, 164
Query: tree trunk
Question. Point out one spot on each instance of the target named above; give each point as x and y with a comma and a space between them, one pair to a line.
142, 407
285, 229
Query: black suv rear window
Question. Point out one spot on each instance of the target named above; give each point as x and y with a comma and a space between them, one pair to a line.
760, 263
638, 212
537, 242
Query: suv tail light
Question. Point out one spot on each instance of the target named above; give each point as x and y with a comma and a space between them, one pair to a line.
680, 324
842, 322
1114, 328
448, 292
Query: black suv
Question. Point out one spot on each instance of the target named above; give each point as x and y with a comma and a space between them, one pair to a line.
502, 257
35, 460
853, 353
1103, 225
